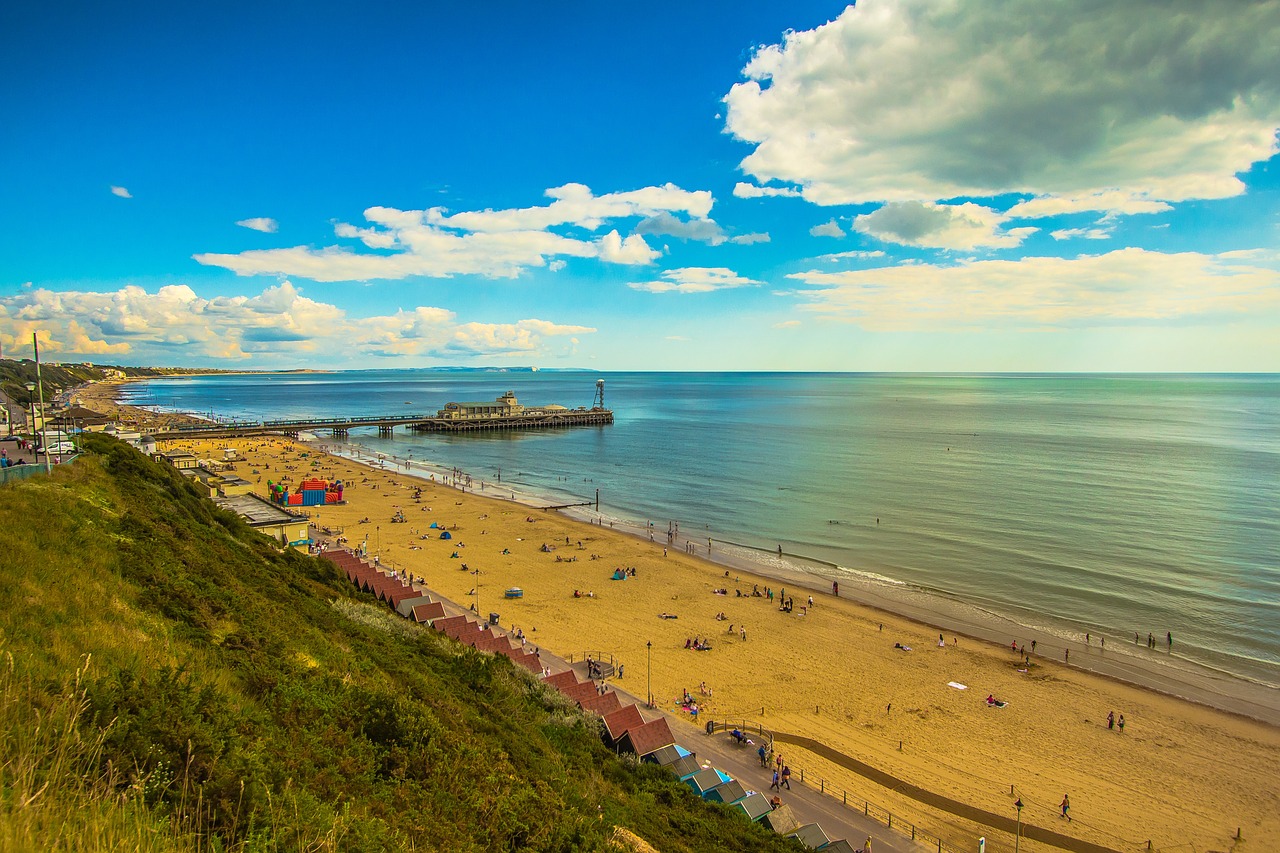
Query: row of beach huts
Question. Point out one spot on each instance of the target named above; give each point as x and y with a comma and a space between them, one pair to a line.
625, 728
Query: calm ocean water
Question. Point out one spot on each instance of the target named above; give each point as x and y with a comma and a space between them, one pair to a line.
1111, 504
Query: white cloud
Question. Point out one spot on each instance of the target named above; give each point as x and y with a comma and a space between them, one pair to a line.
745, 190
1111, 201
854, 256
1128, 286
557, 265
492, 243
265, 224
787, 324
701, 230
694, 280
176, 326
633, 250
960, 227
749, 239
1081, 233
122, 192
927, 100
827, 229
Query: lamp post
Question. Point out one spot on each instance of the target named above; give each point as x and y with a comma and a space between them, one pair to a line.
648, 671
1017, 839
31, 399
35, 346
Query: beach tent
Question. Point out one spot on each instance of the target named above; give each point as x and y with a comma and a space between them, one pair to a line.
434, 526
446, 535
810, 835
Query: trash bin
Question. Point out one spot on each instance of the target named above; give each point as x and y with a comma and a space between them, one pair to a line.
493, 618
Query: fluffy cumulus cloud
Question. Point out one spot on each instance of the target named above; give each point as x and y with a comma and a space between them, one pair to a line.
265, 224
1106, 105
694, 280
962, 227
176, 326
1125, 287
121, 192
494, 243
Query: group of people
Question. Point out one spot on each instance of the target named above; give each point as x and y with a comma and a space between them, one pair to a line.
1113, 722
697, 644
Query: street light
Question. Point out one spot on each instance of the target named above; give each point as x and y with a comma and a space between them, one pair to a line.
1017, 839
31, 398
648, 672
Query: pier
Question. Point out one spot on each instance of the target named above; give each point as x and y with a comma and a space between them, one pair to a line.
502, 414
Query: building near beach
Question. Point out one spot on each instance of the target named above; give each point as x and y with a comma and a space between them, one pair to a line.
287, 528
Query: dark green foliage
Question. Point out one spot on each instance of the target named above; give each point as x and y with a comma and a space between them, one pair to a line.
239, 695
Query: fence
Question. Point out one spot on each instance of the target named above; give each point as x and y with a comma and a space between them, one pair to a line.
23, 472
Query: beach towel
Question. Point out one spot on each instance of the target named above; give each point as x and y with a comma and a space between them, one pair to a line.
957, 685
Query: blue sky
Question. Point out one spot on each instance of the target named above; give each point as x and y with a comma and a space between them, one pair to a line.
915, 185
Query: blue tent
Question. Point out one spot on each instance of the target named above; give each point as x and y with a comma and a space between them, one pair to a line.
434, 525
446, 535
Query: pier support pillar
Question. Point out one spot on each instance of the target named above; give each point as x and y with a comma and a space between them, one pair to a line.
385, 430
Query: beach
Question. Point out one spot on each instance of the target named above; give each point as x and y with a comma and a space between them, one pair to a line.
878, 687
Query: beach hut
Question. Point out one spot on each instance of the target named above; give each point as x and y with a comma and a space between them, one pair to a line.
580, 692
648, 738
603, 704
685, 767
810, 835
727, 792
754, 805
561, 680
617, 723
405, 605
704, 780
841, 846
781, 820
667, 755
428, 612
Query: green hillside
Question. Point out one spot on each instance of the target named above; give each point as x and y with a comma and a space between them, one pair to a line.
170, 681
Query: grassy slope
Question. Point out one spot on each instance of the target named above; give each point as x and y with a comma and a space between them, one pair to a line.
170, 681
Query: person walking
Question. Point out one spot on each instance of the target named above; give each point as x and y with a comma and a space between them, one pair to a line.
1066, 807
786, 777
774, 785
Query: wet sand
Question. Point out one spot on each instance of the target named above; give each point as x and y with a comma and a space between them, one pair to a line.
1179, 773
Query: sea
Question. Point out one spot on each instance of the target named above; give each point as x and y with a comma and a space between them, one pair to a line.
1112, 505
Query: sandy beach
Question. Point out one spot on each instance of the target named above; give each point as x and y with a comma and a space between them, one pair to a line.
869, 684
